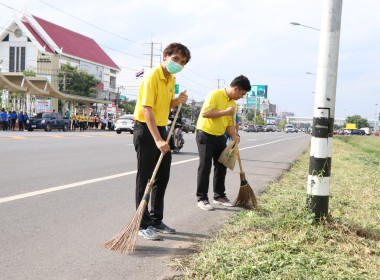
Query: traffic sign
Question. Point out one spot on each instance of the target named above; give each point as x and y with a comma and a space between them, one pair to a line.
176, 88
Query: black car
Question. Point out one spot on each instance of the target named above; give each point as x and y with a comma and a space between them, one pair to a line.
188, 126
48, 121
358, 132
260, 128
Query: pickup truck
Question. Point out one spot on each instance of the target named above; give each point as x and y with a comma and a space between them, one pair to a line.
48, 121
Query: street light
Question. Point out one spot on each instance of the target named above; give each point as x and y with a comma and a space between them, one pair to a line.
296, 23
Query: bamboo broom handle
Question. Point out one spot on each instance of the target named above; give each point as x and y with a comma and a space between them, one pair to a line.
233, 123
167, 141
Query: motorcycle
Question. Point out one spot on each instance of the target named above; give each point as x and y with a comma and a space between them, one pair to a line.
176, 139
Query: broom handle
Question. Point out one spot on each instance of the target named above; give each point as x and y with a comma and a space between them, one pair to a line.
167, 141
238, 154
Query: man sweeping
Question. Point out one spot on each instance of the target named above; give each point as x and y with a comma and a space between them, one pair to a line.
214, 119
156, 97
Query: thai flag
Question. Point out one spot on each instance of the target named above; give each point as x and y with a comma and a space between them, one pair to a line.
140, 74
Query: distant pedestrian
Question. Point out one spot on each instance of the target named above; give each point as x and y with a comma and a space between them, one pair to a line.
13, 120
90, 122
96, 121
9, 120
4, 119
25, 119
82, 122
75, 119
67, 114
20, 121
103, 121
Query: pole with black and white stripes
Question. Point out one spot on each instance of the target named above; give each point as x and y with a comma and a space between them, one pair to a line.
318, 186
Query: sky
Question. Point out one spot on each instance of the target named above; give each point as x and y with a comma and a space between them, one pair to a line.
228, 38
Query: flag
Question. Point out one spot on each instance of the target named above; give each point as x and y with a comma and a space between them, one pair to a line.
140, 74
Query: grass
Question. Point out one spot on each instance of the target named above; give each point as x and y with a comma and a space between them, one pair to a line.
281, 239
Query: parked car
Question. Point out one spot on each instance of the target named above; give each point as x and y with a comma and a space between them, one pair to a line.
188, 126
377, 133
125, 123
251, 128
289, 128
48, 121
269, 128
260, 128
360, 132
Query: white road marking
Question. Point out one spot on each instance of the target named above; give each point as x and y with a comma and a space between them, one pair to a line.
86, 182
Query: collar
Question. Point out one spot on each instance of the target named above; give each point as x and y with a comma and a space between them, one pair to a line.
162, 76
225, 94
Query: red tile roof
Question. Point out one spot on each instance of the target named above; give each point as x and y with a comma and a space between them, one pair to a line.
38, 38
75, 44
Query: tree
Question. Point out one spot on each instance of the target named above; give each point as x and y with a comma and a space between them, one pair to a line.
29, 73
282, 124
258, 120
358, 120
76, 81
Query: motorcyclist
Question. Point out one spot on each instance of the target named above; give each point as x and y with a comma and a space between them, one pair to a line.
176, 136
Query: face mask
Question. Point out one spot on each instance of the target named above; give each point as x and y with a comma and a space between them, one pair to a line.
173, 67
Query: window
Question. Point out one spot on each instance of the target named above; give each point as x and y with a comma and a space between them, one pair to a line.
6, 39
113, 71
16, 59
11, 59
112, 82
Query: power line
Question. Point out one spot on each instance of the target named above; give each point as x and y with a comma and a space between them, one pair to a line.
97, 27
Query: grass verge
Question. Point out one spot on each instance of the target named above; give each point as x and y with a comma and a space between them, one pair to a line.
281, 240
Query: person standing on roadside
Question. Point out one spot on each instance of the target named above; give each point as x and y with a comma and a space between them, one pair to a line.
96, 121
25, 119
20, 121
4, 119
216, 116
156, 97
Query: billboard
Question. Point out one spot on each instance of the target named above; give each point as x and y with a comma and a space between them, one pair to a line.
259, 91
93, 69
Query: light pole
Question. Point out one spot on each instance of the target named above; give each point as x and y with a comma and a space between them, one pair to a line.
377, 118
296, 23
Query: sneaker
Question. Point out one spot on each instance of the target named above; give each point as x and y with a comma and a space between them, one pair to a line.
164, 228
149, 233
205, 205
223, 201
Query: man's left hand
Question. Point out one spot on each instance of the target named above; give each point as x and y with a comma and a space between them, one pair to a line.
236, 138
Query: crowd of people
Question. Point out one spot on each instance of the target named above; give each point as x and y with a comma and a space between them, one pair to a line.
83, 122
10, 118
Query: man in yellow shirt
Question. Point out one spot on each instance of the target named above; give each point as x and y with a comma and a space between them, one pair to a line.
216, 116
156, 97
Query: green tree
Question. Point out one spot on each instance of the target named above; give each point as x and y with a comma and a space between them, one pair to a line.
358, 120
258, 120
282, 124
128, 108
76, 81
29, 73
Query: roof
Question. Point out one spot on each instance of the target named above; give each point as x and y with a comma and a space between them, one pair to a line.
38, 38
73, 43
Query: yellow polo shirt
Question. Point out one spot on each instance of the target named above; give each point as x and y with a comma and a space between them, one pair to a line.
156, 93
216, 100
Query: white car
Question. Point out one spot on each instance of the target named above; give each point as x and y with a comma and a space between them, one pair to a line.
289, 128
125, 123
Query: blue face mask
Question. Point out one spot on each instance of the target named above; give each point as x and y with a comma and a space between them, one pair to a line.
173, 67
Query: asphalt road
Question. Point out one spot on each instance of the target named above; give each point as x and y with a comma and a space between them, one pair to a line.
62, 195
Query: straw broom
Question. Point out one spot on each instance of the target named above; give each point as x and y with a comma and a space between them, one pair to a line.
125, 241
246, 196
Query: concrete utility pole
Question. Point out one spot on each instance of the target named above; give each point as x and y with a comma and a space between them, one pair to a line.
318, 186
151, 52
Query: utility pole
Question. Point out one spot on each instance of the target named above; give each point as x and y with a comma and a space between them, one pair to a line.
318, 185
151, 52
218, 79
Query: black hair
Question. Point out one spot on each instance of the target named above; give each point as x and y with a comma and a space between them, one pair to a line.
178, 47
242, 83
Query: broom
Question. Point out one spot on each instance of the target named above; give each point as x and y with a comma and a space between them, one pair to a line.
246, 196
125, 240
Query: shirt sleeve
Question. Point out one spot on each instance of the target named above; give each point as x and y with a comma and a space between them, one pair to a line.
209, 104
149, 94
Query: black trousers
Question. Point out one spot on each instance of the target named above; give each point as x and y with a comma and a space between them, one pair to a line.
20, 125
147, 157
210, 147
4, 125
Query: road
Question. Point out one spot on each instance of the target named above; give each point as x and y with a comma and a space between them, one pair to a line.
62, 195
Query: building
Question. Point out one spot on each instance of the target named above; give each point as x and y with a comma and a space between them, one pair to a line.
32, 43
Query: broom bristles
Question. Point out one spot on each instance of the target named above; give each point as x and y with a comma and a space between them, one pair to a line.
246, 196
125, 241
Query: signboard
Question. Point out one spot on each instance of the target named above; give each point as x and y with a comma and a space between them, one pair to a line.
93, 69
259, 91
176, 89
43, 105
350, 126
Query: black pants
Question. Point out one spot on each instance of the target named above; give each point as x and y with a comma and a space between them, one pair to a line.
13, 124
147, 157
210, 147
82, 126
4, 125
20, 125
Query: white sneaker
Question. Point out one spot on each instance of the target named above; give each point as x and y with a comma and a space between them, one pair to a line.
205, 205
223, 201
149, 233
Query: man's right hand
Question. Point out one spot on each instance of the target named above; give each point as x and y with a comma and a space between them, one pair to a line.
230, 111
163, 146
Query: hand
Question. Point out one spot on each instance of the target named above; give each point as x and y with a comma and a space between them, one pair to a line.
182, 98
163, 146
236, 138
230, 111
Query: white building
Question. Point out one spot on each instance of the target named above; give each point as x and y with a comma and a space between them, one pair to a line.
31, 43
